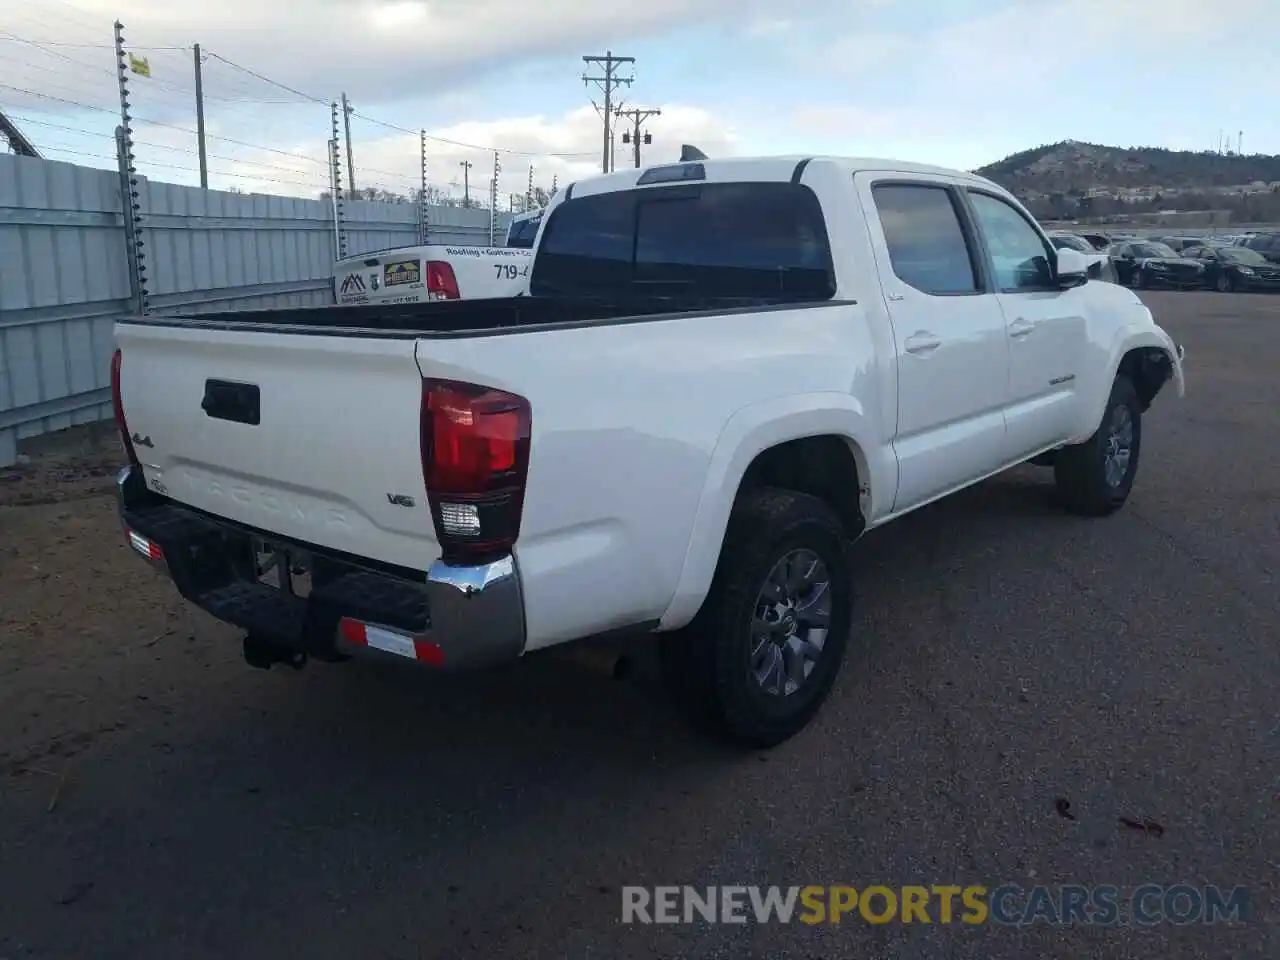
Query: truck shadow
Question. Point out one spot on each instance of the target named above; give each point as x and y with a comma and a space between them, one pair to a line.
340, 784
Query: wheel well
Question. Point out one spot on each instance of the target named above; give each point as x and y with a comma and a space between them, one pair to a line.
825, 467
1149, 369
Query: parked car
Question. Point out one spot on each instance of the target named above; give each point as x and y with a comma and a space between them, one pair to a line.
1099, 241
1144, 263
1100, 267
1179, 244
722, 373
433, 272
1236, 268
1267, 244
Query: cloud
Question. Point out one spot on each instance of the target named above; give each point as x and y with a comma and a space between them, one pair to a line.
389, 49
768, 26
565, 148
1026, 45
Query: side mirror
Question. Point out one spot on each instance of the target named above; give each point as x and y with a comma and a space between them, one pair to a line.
1072, 268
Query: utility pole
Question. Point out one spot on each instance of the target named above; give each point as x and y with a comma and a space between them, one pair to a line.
131, 206
466, 183
528, 194
351, 164
204, 162
335, 165
608, 82
638, 115
493, 200
423, 218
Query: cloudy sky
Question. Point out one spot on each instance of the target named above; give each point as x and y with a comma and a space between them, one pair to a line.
955, 82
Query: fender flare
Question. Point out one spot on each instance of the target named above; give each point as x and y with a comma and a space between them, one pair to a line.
748, 433
1130, 337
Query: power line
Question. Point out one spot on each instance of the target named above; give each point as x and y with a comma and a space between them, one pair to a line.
324, 101
161, 123
267, 80
82, 46
465, 146
176, 166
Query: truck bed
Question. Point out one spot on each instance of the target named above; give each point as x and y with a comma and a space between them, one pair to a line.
453, 318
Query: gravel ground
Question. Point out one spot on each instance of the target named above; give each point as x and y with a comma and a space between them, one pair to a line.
158, 798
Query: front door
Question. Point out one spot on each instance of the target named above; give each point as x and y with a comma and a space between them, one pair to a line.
952, 353
1046, 326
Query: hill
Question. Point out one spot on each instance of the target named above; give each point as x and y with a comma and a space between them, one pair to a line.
1056, 177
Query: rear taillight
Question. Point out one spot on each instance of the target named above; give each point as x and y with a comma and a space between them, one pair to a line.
118, 405
441, 282
475, 461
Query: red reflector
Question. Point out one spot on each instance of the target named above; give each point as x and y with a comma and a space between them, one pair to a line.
144, 546
442, 283
352, 631
391, 641
429, 652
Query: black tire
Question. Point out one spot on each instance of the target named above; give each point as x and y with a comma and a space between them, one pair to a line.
708, 664
1080, 471
1139, 280
1224, 283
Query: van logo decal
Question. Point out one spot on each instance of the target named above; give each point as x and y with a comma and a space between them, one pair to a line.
353, 282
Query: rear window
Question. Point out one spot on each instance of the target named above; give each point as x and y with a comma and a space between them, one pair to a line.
522, 232
714, 240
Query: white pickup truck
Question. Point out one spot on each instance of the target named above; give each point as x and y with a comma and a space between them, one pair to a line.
723, 373
433, 272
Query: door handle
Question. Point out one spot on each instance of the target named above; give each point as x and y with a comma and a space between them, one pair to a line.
1020, 327
922, 343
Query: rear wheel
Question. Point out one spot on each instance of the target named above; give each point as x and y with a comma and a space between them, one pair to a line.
1223, 283
761, 656
1094, 478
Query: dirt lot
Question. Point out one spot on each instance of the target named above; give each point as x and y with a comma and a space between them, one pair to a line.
160, 798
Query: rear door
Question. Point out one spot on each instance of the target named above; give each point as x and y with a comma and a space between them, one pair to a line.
952, 354
312, 437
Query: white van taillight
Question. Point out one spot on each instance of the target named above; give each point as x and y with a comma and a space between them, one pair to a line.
442, 284
475, 461
117, 359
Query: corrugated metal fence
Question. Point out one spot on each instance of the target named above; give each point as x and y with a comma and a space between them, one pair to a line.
64, 275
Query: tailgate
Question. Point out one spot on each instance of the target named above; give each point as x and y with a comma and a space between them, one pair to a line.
334, 458
393, 276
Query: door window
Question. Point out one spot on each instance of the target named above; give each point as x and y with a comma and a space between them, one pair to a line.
927, 245
1018, 252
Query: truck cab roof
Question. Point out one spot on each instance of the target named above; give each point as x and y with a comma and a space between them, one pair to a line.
787, 167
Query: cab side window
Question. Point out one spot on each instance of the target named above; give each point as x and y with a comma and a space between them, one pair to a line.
927, 245
1018, 254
